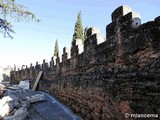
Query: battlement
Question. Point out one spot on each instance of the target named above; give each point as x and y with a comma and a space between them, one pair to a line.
92, 30
77, 47
123, 35
120, 11
94, 37
124, 21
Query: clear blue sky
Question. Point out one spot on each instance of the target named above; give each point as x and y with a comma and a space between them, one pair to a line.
35, 41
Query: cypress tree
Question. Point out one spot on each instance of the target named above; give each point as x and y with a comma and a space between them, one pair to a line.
78, 29
56, 49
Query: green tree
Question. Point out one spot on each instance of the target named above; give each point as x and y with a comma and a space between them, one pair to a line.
10, 9
85, 33
78, 29
56, 49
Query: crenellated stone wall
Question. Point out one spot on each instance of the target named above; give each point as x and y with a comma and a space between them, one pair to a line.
104, 79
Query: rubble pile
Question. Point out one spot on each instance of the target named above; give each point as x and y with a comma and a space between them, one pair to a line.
14, 106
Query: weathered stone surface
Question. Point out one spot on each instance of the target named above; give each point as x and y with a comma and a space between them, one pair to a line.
36, 98
20, 114
120, 11
108, 79
157, 20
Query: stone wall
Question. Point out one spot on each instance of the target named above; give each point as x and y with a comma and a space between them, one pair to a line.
104, 79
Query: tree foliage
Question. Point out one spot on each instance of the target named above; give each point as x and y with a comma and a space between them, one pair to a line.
10, 9
78, 29
56, 49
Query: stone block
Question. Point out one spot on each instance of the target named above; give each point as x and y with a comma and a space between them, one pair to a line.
52, 63
83, 111
100, 98
105, 109
90, 105
20, 114
77, 42
110, 29
88, 116
124, 106
92, 30
106, 117
97, 108
67, 50
78, 109
157, 20
77, 47
129, 17
92, 41
94, 117
36, 98
120, 11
